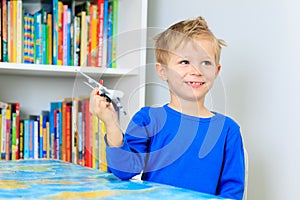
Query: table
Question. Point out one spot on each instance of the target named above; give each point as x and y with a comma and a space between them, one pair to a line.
54, 179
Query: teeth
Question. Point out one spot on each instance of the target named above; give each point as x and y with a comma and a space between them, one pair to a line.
195, 83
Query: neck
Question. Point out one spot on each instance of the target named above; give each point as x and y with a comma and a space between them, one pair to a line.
192, 108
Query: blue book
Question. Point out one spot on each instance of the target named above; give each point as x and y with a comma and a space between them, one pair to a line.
56, 127
26, 138
45, 119
38, 37
55, 32
105, 33
109, 35
69, 37
31, 139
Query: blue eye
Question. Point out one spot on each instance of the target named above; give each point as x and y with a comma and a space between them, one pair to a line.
184, 62
206, 63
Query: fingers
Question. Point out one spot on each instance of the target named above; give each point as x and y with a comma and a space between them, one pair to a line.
99, 105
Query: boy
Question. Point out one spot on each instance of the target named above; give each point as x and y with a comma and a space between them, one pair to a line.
181, 143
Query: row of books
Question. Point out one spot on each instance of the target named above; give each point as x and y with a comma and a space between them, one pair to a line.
59, 33
66, 132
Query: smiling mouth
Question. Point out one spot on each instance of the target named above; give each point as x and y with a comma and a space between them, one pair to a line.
195, 83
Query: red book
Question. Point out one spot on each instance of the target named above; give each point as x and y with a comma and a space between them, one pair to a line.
68, 132
88, 135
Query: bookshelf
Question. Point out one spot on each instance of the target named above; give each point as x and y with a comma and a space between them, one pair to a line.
34, 86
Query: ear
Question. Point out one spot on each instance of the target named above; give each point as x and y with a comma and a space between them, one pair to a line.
218, 70
161, 71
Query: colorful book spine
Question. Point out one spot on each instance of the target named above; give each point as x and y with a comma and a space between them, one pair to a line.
21, 140
83, 39
8, 23
102, 148
100, 27
38, 49
3, 135
60, 33
80, 138
93, 36
114, 33
95, 142
31, 139
88, 135
76, 41
74, 136
105, 33
44, 38
109, 35
49, 41
15, 130
8, 133
65, 35
4, 32
69, 37
19, 36
45, 134
68, 133
12, 31
26, 138
55, 32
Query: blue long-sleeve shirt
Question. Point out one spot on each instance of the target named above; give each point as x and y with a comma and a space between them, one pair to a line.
202, 154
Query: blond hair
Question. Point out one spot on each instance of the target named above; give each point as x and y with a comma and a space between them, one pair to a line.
181, 32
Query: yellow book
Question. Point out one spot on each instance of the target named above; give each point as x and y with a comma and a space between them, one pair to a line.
102, 147
95, 142
8, 126
48, 139
49, 44
93, 36
18, 36
83, 38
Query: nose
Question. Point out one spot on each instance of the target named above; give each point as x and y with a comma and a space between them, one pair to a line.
194, 70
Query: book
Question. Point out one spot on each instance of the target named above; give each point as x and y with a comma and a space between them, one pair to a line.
4, 31
60, 33
38, 48
45, 134
100, 32
114, 35
55, 32
105, 33
8, 133
95, 141
49, 41
27, 138
55, 129
21, 140
83, 38
109, 34
3, 107
92, 55
76, 41
15, 130
37, 136
0, 35
18, 27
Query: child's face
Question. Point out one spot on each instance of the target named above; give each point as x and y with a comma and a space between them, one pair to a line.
191, 70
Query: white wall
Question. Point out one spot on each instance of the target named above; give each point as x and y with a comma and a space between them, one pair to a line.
261, 78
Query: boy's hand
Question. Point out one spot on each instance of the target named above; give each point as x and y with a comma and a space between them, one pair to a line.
105, 111
102, 108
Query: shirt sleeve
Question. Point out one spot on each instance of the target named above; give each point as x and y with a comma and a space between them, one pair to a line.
231, 183
129, 159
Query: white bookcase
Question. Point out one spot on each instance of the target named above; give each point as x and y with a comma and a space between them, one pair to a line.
35, 86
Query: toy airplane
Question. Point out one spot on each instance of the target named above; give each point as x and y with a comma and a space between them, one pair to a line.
110, 95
